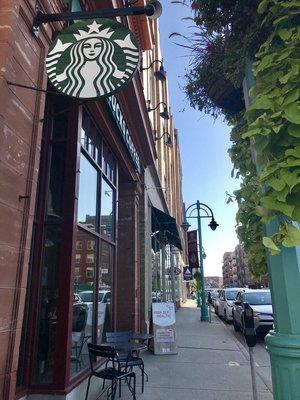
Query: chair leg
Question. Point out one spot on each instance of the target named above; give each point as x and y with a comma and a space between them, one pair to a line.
120, 388
114, 389
103, 384
142, 368
88, 387
134, 387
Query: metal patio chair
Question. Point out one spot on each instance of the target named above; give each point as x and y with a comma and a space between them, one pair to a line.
113, 373
127, 360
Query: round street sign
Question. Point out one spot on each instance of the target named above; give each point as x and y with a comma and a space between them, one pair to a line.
92, 59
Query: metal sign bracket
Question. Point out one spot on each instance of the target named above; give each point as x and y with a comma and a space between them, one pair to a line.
152, 10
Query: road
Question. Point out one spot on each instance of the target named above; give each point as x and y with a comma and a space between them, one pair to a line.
261, 356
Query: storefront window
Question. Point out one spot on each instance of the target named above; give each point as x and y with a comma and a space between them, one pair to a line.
87, 202
94, 257
56, 185
109, 164
90, 138
104, 306
48, 304
107, 214
83, 301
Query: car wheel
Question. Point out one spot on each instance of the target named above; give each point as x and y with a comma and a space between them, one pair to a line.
235, 325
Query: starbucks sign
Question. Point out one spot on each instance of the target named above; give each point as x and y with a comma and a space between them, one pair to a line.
92, 59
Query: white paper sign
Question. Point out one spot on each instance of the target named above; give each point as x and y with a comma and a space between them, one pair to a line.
164, 341
163, 314
164, 335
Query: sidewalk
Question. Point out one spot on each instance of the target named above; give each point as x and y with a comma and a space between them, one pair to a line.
211, 364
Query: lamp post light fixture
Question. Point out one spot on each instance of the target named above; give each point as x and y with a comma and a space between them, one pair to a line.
164, 114
161, 74
213, 226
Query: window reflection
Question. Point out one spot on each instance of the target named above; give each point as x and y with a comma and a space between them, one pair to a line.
83, 301
90, 138
104, 305
107, 217
109, 164
87, 202
56, 184
44, 360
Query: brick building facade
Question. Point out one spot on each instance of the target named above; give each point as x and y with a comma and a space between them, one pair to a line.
66, 176
235, 270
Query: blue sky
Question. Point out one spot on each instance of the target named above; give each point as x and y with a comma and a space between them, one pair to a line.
204, 143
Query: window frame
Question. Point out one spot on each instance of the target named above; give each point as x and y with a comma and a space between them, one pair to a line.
99, 237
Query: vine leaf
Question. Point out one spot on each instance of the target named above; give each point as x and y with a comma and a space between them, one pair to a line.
268, 242
292, 237
292, 113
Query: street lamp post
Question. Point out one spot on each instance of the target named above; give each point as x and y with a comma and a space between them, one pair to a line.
213, 225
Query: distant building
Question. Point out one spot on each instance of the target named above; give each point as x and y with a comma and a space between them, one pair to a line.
235, 270
213, 281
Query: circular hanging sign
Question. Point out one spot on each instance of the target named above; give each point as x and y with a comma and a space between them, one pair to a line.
92, 59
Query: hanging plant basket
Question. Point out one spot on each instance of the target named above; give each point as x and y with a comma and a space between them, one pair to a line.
224, 95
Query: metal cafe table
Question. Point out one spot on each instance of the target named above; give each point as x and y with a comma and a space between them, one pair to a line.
128, 347
142, 338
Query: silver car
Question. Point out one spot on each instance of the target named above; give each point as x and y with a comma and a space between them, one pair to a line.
224, 303
261, 303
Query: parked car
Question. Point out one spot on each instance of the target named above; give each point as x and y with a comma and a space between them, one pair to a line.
224, 303
261, 303
211, 296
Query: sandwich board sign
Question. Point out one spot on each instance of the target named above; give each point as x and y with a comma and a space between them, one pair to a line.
93, 59
164, 341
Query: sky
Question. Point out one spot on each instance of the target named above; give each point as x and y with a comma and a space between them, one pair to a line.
203, 144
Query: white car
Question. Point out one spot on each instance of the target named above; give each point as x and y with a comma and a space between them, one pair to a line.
104, 299
261, 304
224, 303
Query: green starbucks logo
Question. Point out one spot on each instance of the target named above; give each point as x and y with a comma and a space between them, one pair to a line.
92, 59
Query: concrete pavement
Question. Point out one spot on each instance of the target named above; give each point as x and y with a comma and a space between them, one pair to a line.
211, 364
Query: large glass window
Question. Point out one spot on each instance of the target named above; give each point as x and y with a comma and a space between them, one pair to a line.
57, 169
105, 274
48, 304
87, 202
94, 256
107, 210
83, 301
90, 138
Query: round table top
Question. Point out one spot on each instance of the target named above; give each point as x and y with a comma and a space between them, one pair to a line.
126, 346
142, 336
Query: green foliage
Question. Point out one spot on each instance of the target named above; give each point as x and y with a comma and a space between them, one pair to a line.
236, 30
228, 32
197, 282
249, 226
274, 121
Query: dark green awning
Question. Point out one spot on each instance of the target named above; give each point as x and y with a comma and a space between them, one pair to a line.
167, 224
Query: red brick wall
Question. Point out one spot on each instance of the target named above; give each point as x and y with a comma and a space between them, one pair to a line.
22, 61
128, 259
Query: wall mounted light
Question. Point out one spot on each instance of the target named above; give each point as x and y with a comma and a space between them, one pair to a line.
164, 114
161, 74
168, 140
